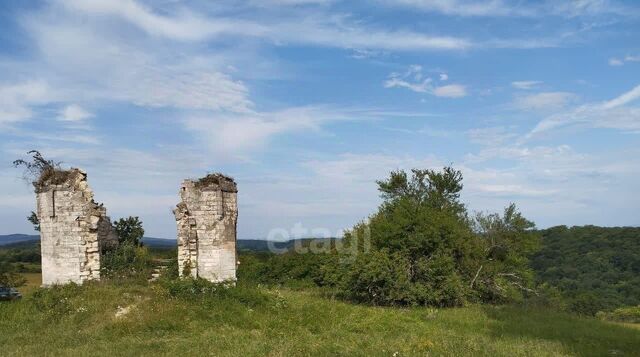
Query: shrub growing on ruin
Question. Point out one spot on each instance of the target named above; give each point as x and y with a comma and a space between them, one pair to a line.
42, 172
33, 219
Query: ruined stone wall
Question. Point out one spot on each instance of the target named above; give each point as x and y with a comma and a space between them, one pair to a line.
73, 230
207, 217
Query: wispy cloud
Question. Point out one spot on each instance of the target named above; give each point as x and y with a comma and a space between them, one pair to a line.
616, 62
545, 101
514, 8
613, 114
236, 135
329, 31
17, 99
525, 85
464, 7
414, 80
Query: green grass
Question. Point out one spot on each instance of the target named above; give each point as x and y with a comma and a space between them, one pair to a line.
257, 321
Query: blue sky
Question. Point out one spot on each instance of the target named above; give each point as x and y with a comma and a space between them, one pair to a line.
307, 102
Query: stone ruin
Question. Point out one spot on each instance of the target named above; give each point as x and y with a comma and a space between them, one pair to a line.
74, 229
207, 217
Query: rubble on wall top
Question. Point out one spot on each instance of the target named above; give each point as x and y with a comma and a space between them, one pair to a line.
70, 178
217, 181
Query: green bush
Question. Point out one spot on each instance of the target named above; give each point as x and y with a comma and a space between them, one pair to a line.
9, 277
421, 248
172, 271
291, 269
624, 314
55, 301
206, 292
127, 261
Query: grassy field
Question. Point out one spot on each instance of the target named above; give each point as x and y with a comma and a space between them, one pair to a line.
118, 319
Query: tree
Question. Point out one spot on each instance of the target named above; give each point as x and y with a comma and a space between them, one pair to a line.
425, 250
509, 241
129, 231
33, 219
129, 258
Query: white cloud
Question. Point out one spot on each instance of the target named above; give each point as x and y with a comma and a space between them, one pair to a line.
514, 8
613, 114
74, 113
621, 61
545, 101
463, 7
490, 136
92, 64
238, 134
414, 80
450, 91
615, 62
444, 77
623, 99
17, 99
525, 85
632, 58
330, 31
316, 26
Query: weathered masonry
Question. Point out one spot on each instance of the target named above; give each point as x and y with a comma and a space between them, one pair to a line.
73, 228
207, 217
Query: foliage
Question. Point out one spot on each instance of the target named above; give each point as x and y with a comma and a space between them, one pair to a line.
508, 242
41, 171
56, 300
206, 292
172, 271
33, 219
127, 261
289, 269
624, 314
421, 248
595, 268
129, 230
20, 258
9, 277
21, 253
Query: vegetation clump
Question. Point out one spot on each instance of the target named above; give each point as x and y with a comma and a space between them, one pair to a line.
629, 314
226, 183
425, 250
9, 276
593, 268
42, 172
129, 259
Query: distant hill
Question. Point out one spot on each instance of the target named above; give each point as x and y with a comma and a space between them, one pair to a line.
256, 245
17, 238
159, 242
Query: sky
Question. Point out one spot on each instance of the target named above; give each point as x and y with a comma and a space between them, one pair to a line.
307, 102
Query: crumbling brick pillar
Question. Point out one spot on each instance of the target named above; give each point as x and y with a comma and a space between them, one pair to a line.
74, 229
207, 217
